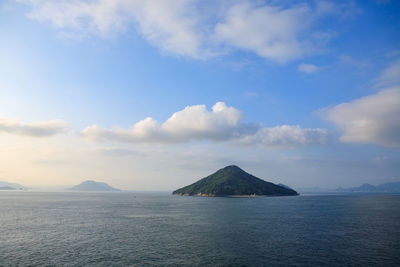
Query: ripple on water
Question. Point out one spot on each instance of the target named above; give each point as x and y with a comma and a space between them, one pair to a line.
44, 229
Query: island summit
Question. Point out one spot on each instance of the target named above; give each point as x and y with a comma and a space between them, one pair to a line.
233, 181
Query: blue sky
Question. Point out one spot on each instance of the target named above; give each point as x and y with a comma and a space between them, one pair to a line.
309, 91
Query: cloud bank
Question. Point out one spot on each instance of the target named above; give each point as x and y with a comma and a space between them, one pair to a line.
34, 129
194, 28
196, 123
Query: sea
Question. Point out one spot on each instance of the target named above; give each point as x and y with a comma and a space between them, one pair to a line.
159, 229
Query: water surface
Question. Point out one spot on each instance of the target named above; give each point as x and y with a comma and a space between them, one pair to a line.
158, 229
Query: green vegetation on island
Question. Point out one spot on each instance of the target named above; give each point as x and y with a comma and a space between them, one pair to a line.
233, 181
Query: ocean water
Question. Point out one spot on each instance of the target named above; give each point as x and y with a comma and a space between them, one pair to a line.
158, 229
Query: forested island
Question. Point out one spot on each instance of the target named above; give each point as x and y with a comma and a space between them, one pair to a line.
233, 181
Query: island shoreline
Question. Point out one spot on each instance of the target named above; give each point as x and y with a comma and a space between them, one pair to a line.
232, 196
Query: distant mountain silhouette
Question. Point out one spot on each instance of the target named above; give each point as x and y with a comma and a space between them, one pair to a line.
93, 186
233, 181
7, 188
393, 187
11, 186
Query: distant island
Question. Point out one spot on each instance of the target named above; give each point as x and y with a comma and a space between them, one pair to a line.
7, 188
393, 187
90, 185
11, 186
233, 181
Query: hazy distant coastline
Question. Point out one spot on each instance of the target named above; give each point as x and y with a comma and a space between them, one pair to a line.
391, 187
387, 188
11, 186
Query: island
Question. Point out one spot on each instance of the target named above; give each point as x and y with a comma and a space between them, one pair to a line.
232, 181
7, 188
11, 186
393, 187
90, 185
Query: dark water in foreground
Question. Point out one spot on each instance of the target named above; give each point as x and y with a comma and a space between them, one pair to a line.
138, 229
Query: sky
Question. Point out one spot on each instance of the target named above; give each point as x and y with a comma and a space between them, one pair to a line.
153, 95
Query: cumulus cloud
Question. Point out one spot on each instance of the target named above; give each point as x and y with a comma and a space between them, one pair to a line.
191, 123
374, 118
370, 119
222, 123
34, 129
183, 27
308, 68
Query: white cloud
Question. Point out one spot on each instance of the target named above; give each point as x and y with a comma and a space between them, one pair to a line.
168, 24
34, 129
308, 68
222, 123
370, 119
270, 31
286, 135
191, 123
389, 76
192, 27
